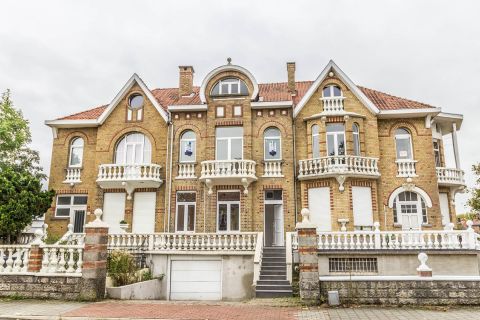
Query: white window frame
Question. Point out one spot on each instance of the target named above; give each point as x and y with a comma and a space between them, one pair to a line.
356, 139
185, 213
400, 137
229, 82
142, 144
229, 146
237, 108
279, 137
417, 203
315, 135
70, 206
335, 141
330, 89
229, 212
436, 151
219, 114
72, 147
182, 140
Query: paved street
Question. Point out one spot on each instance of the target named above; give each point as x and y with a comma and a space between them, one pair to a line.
252, 310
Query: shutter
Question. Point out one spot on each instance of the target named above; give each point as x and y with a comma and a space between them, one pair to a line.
362, 206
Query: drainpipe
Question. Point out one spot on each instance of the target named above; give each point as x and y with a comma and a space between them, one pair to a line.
169, 123
170, 175
294, 166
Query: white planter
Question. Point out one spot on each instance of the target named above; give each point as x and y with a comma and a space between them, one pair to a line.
145, 290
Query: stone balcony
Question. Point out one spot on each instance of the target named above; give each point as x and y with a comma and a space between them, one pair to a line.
72, 176
228, 172
129, 176
339, 167
272, 169
406, 168
333, 105
186, 171
450, 177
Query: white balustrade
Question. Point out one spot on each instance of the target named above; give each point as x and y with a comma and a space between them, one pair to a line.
228, 168
14, 258
333, 104
126, 172
289, 254
132, 242
186, 171
406, 168
257, 258
450, 176
272, 168
354, 165
72, 175
62, 259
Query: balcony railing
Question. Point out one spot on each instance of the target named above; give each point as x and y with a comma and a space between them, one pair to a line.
186, 171
272, 168
72, 175
125, 172
338, 165
406, 168
333, 104
228, 172
450, 176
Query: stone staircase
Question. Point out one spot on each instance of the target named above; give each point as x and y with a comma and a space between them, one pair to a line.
273, 274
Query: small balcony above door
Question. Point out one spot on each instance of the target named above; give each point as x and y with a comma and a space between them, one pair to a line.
228, 172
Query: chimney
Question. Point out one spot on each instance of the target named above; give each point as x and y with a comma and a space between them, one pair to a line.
186, 80
291, 77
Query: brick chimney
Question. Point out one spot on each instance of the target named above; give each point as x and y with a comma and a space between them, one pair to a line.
186, 80
291, 77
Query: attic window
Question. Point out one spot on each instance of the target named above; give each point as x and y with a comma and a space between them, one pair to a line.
229, 86
135, 101
332, 91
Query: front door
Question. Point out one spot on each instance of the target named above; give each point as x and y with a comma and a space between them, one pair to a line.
278, 225
410, 218
273, 220
228, 211
78, 220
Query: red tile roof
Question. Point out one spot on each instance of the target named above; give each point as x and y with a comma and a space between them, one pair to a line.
269, 92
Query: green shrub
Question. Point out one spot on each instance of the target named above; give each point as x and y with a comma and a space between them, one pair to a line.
52, 239
147, 276
121, 268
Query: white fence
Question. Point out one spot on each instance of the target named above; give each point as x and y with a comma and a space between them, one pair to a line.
62, 259
14, 258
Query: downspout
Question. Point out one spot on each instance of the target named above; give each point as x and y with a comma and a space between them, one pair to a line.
294, 165
170, 175
169, 123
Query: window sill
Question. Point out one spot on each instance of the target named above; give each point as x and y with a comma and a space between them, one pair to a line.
60, 218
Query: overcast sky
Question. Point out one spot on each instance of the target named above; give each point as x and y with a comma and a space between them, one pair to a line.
61, 57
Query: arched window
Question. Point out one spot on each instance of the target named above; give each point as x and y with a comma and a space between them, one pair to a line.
229, 86
76, 152
332, 91
356, 139
403, 144
272, 144
188, 146
315, 141
410, 210
133, 148
135, 107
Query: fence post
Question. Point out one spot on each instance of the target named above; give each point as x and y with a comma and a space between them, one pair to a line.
378, 238
94, 270
308, 257
36, 253
471, 236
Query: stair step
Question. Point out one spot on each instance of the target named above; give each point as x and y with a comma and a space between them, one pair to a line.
274, 256
273, 277
273, 287
274, 268
273, 294
273, 259
273, 282
274, 264
273, 273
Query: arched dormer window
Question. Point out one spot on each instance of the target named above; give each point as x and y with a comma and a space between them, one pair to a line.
188, 147
356, 139
135, 107
76, 152
315, 141
403, 144
229, 86
272, 144
133, 148
331, 91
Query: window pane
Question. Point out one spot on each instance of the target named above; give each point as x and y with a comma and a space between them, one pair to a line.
129, 157
315, 147
315, 129
234, 88
335, 127
229, 196
79, 200
78, 142
341, 144
356, 144
273, 195
237, 110
271, 132
138, 154
243, 88
63, 212
187, 151
64, 200
188, 135
401, 131
226, 132
330, 145
272, 149
336, 91
403, 148
234, 217
222, 217
326, 92
120, 153
180, 217
237, 149
216, 90
224, 88
186, 197
76, 156
191, 218
222, 149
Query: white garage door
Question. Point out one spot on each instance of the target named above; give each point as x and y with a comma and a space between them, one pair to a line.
196, 280
319, 206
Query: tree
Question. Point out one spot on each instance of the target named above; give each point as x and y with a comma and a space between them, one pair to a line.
21, 196
474, 201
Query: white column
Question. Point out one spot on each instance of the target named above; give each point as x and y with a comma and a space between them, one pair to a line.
455, 145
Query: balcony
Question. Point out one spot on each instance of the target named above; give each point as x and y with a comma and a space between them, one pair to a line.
228, 172
272, 169
450, 177
333, 105
186, 171
129, 176
406, 168
72, 176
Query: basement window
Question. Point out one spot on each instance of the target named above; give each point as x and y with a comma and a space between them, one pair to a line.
353, 265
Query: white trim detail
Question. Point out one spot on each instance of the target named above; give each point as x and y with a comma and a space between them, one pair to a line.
186, 107
399, 190
271, 104
408, 113
345, 79
228, 67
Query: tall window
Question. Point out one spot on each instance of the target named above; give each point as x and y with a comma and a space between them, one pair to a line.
410, 210
133, 148
272, 141
188, 148
403, 143
332, 91
356, 139
228, 211
229, 143
315, 142
186, 205
436, 151
76, 153
335, 139
229, 86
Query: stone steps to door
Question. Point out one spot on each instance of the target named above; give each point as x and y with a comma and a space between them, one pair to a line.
273, 281
273, 294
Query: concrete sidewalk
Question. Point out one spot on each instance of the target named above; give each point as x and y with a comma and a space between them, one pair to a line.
258, 309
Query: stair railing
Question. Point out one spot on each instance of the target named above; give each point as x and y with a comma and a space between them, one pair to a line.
289, 255
257, 258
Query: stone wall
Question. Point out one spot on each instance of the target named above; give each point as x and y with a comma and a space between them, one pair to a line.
33, 286
404, 292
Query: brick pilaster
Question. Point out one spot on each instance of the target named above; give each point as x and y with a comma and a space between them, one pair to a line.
35, 258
